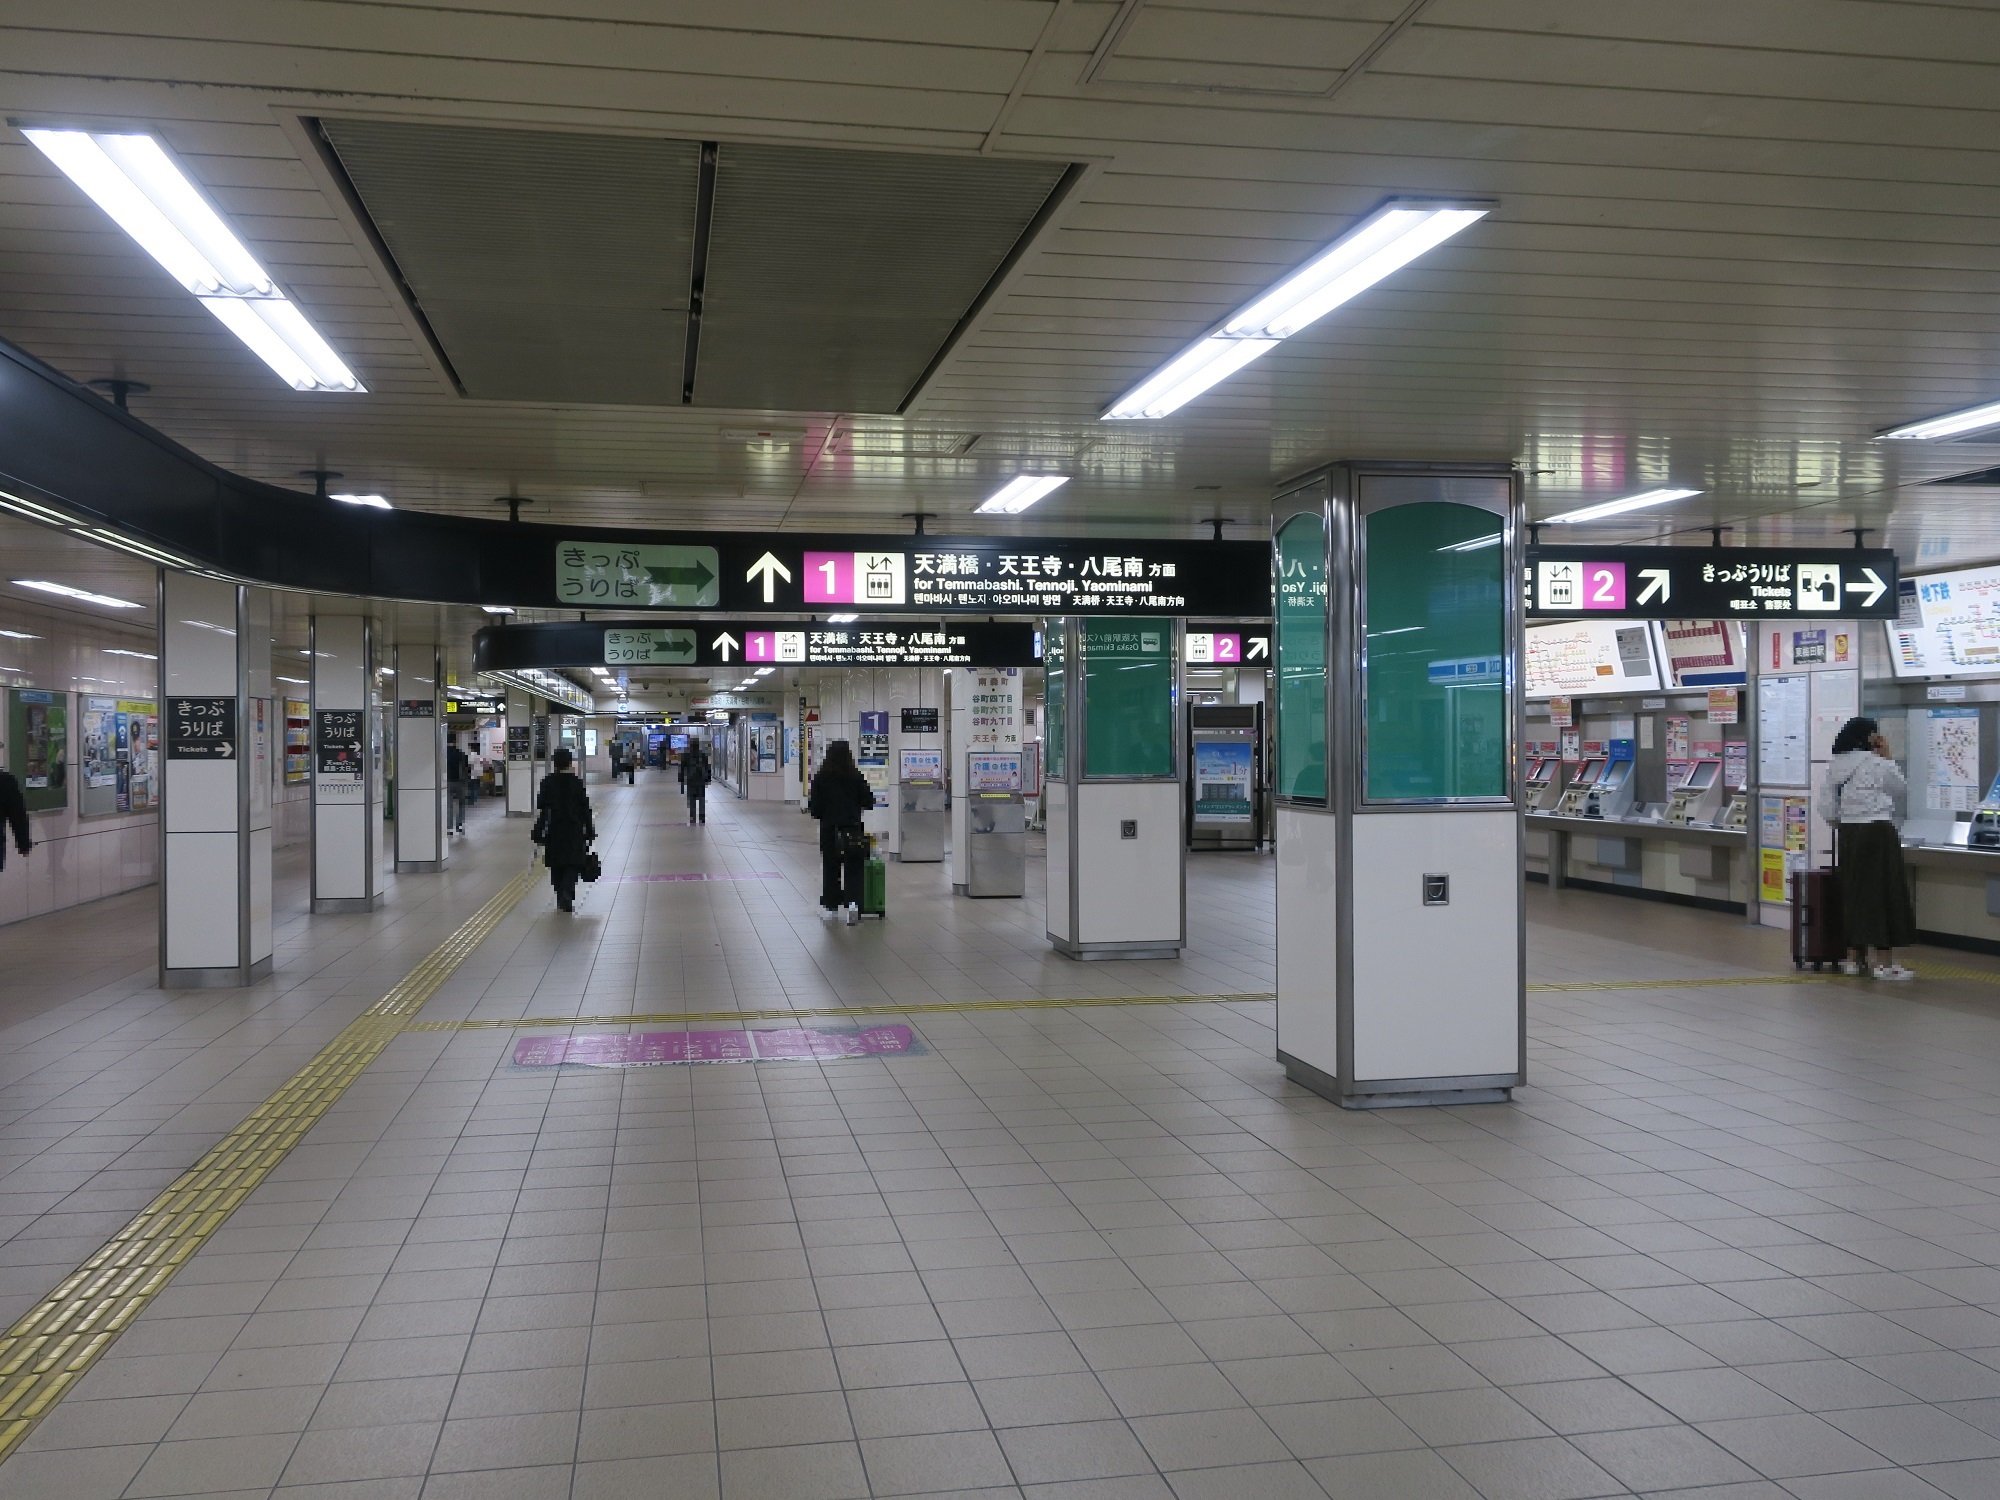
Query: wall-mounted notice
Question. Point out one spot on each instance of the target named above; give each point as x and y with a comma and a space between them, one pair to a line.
1562, 712
1572, 745
1836, 698
873, 749
1784, 727
1702, 653
993, 771
1678, 737
1947, 625
1736, 765
921, 765
1952, 740
1723, 705
919, 721
1589, 658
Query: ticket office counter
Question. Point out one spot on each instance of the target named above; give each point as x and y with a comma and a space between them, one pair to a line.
1949, 750
1673, 826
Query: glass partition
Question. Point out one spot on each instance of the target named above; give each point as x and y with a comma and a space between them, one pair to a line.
1301, 643
1055, 706
1127, 668
1434, 658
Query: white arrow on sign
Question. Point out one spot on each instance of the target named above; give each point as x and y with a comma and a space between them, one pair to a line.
1659, 582
1875, 588
725, 643
771, 569
225, 749
1258, 646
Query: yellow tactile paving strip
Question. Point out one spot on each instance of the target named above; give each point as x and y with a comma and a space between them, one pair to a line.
1093, 1002
51, 1348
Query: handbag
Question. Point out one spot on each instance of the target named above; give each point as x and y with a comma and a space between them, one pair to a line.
851, 840
592, 867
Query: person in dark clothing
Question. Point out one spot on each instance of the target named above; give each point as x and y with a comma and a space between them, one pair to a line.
14, 816
563, 827
840, 795
457, 772
696, 774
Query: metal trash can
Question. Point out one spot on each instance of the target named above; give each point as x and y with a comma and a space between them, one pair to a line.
920, 822
996, 851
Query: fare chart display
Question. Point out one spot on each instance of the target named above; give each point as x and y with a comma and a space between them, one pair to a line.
1585, 658
1947, 625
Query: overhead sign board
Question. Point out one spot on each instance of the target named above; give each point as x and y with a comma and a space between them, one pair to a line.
756, 643
757, 571
1713, 583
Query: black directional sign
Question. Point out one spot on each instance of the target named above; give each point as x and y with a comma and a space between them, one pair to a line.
337, 742
201, 729
756, 643
751, 572
1713, 583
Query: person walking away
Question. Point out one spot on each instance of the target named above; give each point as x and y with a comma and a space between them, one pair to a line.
563, 827
695, 777
632, 765
14, 817
1858, 796
475, 768
457, 771
840, 795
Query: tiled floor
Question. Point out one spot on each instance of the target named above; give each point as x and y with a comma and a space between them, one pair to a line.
1734, 1241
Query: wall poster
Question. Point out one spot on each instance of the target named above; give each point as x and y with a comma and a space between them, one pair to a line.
1952, 740
38, 746
1783, 725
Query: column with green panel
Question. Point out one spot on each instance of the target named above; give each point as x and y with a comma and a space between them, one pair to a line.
1112, 744
1399, 907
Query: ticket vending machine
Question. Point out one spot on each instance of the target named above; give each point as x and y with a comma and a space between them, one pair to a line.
996, 820
1736, 808
920, 812
1575, 798
1544, 783
1611, 797
1698, 798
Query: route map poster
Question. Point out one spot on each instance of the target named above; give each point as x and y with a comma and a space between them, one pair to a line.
1947, 625
1588, 658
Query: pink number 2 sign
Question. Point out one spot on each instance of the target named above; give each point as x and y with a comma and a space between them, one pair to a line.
1604, 586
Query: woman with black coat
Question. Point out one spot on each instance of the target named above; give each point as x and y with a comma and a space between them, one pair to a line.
564, 828
840, 795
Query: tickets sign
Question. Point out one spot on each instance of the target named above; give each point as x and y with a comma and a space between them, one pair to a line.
1712, 583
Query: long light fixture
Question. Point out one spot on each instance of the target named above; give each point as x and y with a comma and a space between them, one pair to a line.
373, 502
497, 609
131, 177
1951, 424
841, 619
1475, 544
67, 592
1618, 507
299, 681
764, 671
1020, 492
1380, 245
121, 651
19, 635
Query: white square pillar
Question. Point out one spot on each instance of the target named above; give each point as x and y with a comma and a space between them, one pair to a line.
420, 769
346, 808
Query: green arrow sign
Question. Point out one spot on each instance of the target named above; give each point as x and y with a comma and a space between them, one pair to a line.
649, 648
613, 574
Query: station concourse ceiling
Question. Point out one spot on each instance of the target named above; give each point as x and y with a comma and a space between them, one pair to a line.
1732, 242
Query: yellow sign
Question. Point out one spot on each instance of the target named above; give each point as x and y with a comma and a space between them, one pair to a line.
1771, 864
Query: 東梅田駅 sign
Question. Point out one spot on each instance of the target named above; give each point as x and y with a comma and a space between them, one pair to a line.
1713, 583
758, 572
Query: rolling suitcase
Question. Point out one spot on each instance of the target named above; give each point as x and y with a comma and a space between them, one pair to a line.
874, 885
1817, 935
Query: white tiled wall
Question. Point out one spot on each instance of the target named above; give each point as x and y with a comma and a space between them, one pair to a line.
76, 859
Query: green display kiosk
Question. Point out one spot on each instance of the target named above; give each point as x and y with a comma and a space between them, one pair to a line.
1401, 929
1111, 740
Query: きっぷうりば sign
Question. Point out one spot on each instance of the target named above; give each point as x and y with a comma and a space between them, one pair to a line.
1712, 583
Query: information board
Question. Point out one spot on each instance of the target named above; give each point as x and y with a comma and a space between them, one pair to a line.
1720, 583
201, 728
1590, 658
1947, 625
1702, 653
899, 643
993, 771
919, 721
762, 571
339, 754
1128, 693
38, 746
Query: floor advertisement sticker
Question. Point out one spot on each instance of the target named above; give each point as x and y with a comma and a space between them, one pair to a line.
647, 1049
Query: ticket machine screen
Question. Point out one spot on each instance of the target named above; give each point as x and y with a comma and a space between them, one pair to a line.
1702, 777
1614, 774
1589, 773
1541, 771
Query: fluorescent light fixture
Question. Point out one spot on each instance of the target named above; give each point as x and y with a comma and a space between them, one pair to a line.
1949, 425
763, 672
210, 625
131, 177
1382, 244
373, 502
1618, 507
497, 609
33, 511
1475, 544
1020, 492
67, 592
841, 619
1186, 377
137, 549
295, 681
121, 651
19, 635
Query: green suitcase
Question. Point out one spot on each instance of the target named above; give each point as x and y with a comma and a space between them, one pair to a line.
874, 888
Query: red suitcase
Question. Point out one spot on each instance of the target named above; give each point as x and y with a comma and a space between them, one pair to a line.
1817, 937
